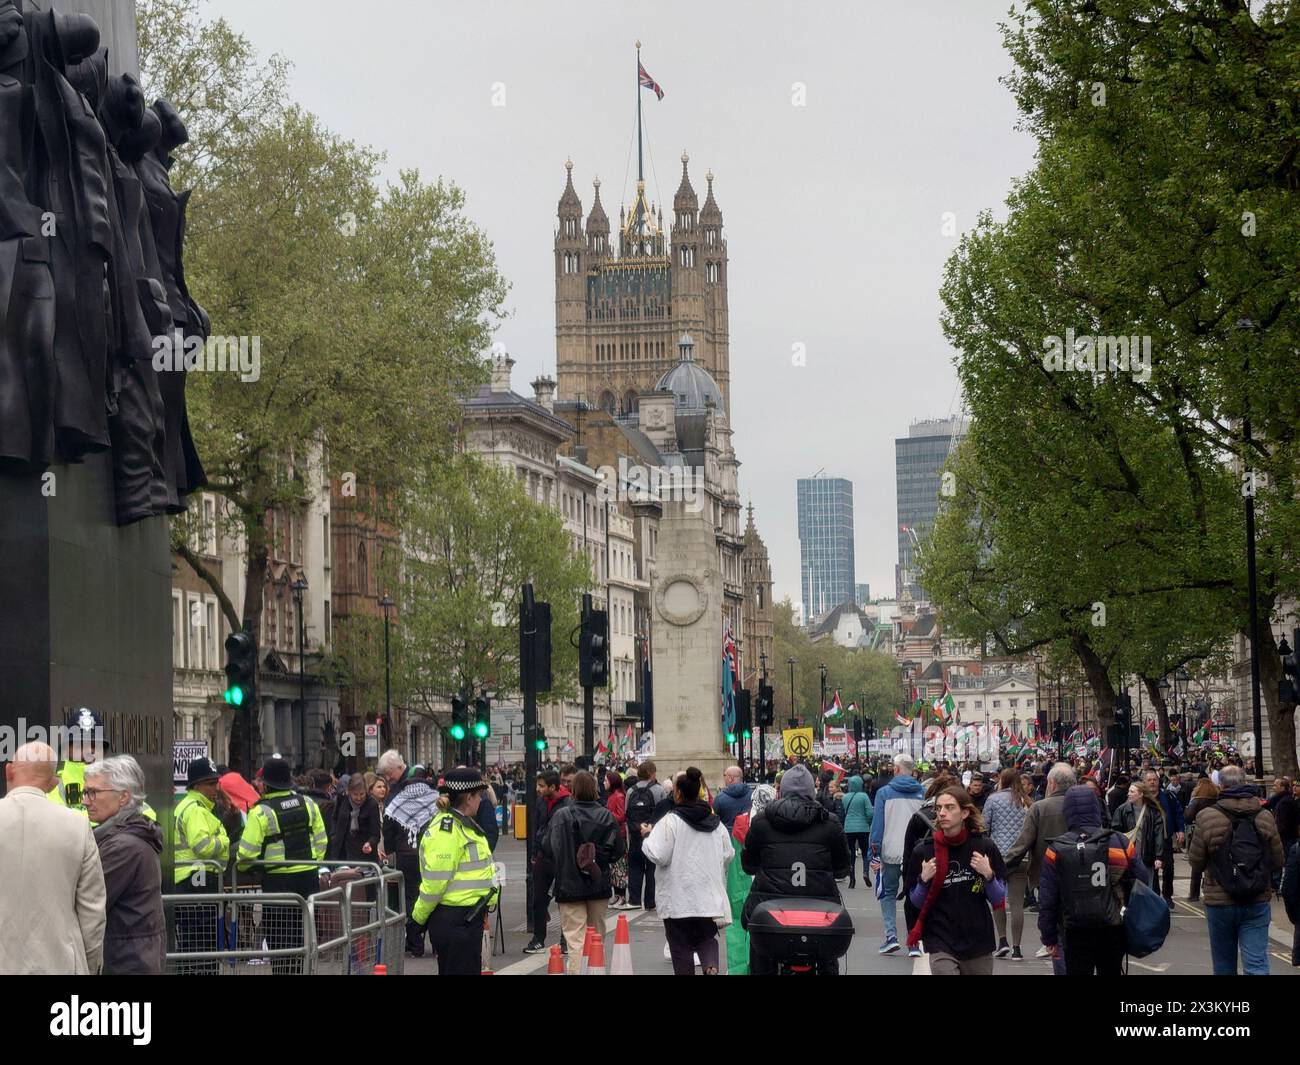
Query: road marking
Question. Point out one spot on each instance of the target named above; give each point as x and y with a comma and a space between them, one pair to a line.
1150, 968
1189, 906
533, 962
1280, 957
921, 966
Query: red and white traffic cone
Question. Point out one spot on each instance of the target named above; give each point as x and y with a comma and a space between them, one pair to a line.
597, 965
586, 951
621, 963
555, 967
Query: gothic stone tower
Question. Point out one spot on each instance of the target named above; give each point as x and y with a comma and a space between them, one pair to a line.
619, 311
758, 618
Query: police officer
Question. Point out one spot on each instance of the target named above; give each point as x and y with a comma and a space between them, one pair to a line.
284, 826
456, 876
86, 745
85, 733
202, 848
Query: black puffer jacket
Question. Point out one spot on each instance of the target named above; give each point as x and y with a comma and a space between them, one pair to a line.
794, 849
570, 827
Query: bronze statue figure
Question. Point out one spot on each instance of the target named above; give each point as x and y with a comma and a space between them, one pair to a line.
91, 250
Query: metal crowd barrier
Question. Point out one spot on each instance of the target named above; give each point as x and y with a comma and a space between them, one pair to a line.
345, 929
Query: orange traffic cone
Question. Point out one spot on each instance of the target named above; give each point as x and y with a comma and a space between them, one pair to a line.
621, 964
586, 951
597, 966
555, 967
380, 970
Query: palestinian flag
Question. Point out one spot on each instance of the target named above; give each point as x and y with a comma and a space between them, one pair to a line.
853, 708
906, 722
834, 767
628, 741
944, 707
600, 747
835, 709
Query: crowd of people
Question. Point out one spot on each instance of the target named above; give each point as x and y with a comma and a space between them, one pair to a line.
969, 854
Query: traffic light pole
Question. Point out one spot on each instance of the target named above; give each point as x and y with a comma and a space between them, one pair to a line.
527, 629
588, 721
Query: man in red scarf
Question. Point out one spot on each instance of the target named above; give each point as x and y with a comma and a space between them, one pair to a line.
956, 878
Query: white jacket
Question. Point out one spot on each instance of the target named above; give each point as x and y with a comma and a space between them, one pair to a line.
690, 869
51, 889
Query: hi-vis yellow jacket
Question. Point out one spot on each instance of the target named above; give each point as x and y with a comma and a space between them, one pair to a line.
455, 865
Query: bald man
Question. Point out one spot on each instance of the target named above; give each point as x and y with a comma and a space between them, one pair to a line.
52, 906
734, 798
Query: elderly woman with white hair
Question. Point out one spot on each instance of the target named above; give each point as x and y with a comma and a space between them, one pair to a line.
129, 849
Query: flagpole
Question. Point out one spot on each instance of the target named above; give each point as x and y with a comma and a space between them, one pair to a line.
640, 173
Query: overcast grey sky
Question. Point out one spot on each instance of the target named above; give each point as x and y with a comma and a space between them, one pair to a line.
833, 211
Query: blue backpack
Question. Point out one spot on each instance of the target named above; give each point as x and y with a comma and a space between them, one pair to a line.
1146, 921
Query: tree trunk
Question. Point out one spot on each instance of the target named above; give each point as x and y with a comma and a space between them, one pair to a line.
210, 578
1152, 685
1098, 678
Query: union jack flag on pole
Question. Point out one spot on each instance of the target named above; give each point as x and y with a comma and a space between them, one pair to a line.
647, 82
728, 678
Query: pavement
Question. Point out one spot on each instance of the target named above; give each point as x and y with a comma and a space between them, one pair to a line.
1186, 951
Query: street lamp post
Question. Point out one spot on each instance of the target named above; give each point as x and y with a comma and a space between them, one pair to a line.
822, 723
794, 721
387, 604
299, 588
1251, 582
907, 665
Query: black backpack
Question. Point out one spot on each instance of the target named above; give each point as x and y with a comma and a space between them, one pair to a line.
1240, 865
1083, 874
640, 805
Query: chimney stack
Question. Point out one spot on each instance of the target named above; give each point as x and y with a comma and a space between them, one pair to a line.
544, 390
501, 366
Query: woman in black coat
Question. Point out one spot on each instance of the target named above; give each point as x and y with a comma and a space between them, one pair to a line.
354, 833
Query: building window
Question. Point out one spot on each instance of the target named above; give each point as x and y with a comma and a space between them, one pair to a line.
1014, 703
363, 571
325, 549
210, 631
194, 639
327, 624
178, 631
997, 703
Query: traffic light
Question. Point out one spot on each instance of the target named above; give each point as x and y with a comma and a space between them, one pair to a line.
744, 716
1288, 689
870, 727
482, 718
593, 647
458, 719
534, 642
241, 668
731, 739
766, 706
857, 730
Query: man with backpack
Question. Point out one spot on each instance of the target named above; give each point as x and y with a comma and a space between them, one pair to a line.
1086, 876
642, 798
1237, 844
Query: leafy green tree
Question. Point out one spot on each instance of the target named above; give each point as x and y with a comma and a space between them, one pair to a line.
1163, 205
472, 538
370, 307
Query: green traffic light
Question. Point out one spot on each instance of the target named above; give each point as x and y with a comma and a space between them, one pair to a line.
731, 737
481, 730
539, 744
746, 734
235, 696
458, 732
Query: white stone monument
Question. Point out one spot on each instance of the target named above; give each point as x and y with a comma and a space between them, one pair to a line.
687, 647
